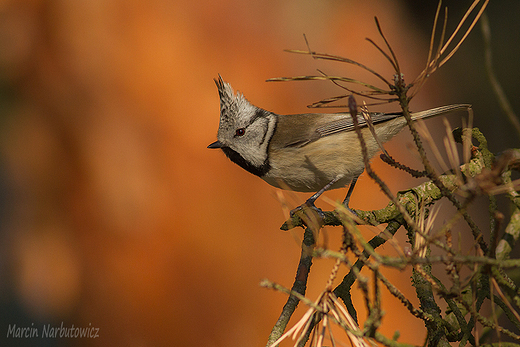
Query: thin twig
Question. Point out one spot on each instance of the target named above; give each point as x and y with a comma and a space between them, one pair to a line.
299, 286
503, 101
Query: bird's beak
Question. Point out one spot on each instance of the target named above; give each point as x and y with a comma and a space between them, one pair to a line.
215, 144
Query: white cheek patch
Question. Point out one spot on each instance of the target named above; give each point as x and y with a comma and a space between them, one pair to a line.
256, 150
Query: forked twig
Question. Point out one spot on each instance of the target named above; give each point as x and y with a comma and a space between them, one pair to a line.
439, 60
393, 60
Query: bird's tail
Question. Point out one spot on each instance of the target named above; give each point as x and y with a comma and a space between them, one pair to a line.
439, 110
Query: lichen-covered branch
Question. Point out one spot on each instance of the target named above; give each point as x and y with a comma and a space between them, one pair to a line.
485, 259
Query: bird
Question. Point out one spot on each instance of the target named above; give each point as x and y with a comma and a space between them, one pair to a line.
309, 152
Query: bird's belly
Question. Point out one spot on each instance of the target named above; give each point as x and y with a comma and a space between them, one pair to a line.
311, 167
306, 182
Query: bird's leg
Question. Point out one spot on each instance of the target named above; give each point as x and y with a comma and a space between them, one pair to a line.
349, 193
310, 201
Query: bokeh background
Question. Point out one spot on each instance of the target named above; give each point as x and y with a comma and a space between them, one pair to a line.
114, 215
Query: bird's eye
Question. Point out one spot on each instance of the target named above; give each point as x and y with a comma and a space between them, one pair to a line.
240, 132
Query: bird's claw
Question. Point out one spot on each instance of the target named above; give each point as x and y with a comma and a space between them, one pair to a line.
308, 212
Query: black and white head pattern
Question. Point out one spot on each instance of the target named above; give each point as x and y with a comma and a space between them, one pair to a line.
244, 130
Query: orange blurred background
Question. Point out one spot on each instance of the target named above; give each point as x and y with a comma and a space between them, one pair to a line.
114, 213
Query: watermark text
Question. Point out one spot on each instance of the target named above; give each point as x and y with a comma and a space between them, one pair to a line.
52, 331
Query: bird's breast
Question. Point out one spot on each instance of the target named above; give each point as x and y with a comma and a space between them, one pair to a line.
311, 167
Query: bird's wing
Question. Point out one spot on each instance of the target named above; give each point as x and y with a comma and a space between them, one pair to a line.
347, 124
300, 130
326, 124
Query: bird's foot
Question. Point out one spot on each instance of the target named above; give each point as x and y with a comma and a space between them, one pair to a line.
309, 214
